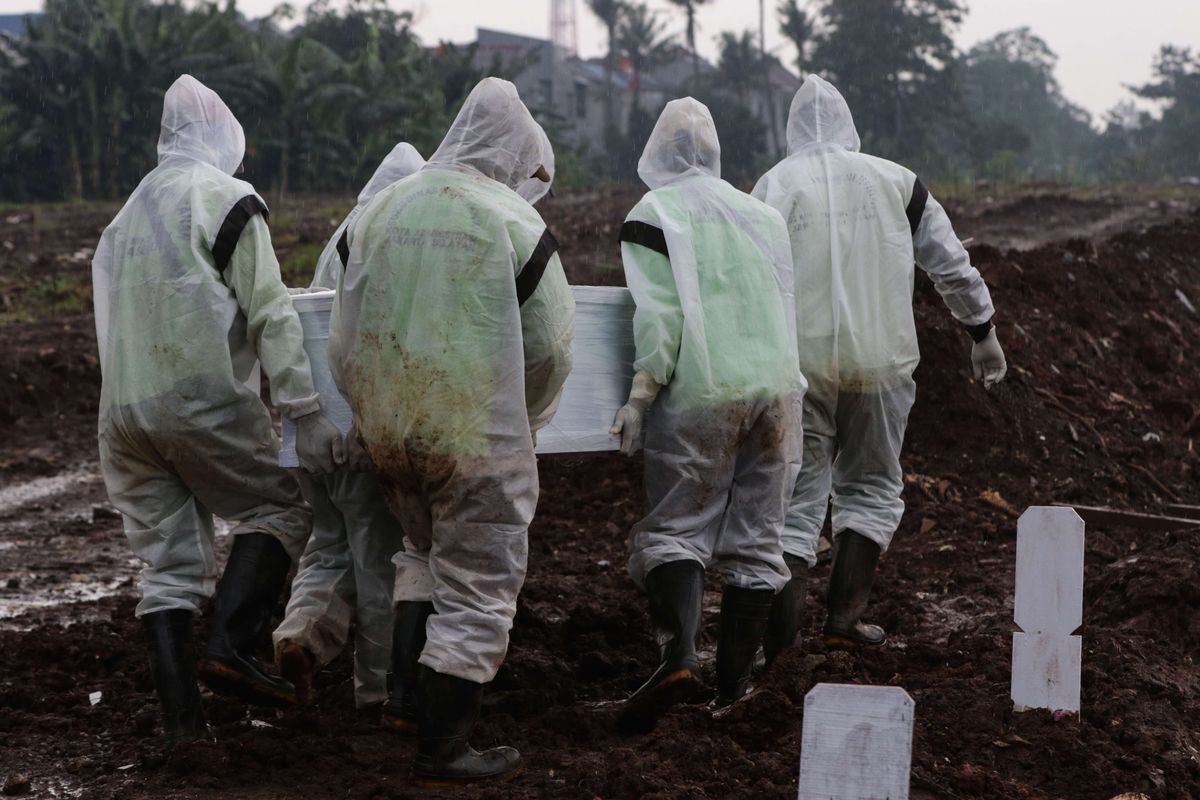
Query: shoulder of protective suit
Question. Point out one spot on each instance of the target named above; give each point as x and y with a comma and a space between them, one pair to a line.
649, 208
222, 192
888, 170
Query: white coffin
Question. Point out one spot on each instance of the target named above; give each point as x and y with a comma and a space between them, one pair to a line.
596, 388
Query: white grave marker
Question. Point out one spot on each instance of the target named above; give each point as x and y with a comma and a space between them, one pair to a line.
856, 743
1048, 609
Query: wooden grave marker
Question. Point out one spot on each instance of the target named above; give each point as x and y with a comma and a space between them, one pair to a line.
856, 743
1048, 609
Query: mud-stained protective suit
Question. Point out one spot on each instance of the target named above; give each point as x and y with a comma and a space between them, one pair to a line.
346, 574
856, 222
187, 297
710, 270
451, 339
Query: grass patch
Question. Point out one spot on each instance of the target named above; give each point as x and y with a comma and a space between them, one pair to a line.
298, 264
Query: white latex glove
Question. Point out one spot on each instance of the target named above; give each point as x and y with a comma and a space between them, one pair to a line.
987, 360
630, 419
319, 445
357, 457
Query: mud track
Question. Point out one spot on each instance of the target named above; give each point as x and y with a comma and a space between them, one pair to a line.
1102, 407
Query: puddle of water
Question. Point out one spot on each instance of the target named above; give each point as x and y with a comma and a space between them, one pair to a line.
22, 494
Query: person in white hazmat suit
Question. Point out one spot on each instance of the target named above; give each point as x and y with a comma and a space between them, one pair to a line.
408, 640
718, 388
451, 339
856, 222
187, 298
345, 574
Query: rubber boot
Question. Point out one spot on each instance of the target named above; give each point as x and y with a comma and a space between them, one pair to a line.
448, 708
787, 611
675, 591
854, 560
246, 596
408, 640
173, 666
298, 667
744, 614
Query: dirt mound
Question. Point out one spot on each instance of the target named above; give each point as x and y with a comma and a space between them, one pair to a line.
49, 393
1100, 408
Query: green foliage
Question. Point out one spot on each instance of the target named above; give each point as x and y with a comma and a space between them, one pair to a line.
895, 62
1019, 112
797, 26
321, 104
1175, 138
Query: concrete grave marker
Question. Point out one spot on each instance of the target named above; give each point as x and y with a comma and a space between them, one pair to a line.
1048, 609
856, 743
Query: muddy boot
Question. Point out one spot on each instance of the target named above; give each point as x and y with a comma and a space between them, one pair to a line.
854, 560
448, 708
173, 666
298, 667
408, 640
675, 591
744, 614
254, 577
787, 611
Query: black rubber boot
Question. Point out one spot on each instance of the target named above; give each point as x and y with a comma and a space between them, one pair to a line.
408, 640
448, 708
854, 560
173, 666
675, 591
744, 615
787, 611
246, 596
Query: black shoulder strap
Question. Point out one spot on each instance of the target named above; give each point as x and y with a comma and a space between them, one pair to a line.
646, 235
531, 274
916, 206
232, 227
343, 247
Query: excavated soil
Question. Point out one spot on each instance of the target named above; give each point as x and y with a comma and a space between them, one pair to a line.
1101, 407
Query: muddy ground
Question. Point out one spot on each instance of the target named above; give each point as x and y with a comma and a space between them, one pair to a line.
1101, 407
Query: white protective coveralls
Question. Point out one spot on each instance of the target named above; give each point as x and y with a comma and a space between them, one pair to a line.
187, 297
710, 271
451, 339
346, 573
855, 223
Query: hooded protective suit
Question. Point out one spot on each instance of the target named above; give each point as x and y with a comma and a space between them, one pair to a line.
451, 339
346, 573
855, 222
187, 298
711, 274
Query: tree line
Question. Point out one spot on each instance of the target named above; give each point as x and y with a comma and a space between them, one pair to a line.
325, 93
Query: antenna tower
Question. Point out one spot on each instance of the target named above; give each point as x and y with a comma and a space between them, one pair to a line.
563, 31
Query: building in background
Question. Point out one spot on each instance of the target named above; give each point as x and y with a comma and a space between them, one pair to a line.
567, 93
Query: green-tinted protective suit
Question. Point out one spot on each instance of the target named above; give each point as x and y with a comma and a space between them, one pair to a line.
187, 297
451, 338
711, 274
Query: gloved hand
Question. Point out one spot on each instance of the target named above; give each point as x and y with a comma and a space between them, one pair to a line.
629, 420
357, 457
319, 445
987, 360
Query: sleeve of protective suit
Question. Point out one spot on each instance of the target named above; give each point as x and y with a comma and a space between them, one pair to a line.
940, 253
271, 321
658, 317
547, 327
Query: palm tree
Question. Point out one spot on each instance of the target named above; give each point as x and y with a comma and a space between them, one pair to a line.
689, 8
797, 26
643, 43
609, 13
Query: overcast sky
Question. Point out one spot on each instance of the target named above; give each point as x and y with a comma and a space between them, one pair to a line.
1102, 44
